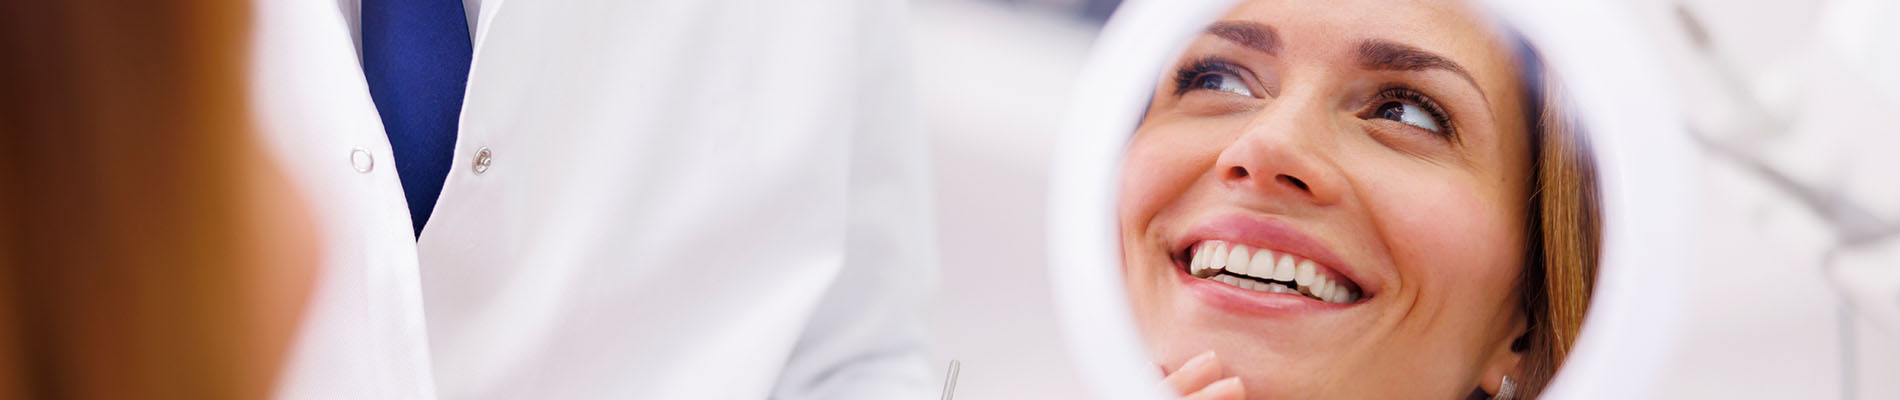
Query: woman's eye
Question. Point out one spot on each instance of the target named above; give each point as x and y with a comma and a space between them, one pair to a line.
1222, 81
1408, 114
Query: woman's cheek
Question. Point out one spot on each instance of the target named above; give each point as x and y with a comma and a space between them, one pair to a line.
1152, 177
1138, 194
1447, 230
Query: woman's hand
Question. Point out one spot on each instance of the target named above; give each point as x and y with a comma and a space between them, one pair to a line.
1202, 378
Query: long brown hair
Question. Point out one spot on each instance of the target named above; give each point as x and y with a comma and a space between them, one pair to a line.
1565, 226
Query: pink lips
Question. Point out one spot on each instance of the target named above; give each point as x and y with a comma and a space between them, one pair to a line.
1267, 233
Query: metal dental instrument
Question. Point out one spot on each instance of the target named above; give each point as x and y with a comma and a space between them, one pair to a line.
950, 380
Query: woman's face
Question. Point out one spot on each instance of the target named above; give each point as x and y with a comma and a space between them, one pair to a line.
1370, 161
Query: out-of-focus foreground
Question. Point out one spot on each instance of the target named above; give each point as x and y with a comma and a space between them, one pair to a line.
148, 249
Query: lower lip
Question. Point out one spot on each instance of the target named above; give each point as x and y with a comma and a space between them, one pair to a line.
1251, 302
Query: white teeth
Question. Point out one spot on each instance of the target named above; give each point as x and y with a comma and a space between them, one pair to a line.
1283, 271
1303, 275
1289, 273
1228, 279
1277, 288
1205, 263
1215, 259
1261, 265
1237, 259
1198, 264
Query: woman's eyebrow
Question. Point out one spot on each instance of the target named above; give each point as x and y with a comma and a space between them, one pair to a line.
1381, 55
1252, 35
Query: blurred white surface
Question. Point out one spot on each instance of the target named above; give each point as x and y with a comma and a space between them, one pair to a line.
994, 81
1766, 323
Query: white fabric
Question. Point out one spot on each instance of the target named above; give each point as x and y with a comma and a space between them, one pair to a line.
687, 200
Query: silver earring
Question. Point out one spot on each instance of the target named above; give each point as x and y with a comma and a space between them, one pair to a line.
1507, 390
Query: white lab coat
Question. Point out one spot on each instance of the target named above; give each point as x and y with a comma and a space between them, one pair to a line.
685, 200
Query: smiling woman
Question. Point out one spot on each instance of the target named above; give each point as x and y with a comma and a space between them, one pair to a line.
1324, 195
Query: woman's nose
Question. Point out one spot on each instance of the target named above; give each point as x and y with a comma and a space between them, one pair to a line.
1283, 154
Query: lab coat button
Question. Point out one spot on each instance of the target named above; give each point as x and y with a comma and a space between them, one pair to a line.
360, 159
482, 158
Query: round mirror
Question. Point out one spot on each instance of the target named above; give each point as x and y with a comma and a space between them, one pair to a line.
1378, 199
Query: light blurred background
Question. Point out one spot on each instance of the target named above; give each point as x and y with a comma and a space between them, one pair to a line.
1781, 84
994, 78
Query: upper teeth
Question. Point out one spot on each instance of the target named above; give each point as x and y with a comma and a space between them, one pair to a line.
1276, 273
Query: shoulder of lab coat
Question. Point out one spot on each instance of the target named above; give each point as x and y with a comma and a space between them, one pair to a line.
866, 340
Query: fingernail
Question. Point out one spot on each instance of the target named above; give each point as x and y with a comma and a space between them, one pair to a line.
1203, 358
1231, 383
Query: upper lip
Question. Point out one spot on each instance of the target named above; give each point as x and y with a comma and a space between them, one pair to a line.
1269, 233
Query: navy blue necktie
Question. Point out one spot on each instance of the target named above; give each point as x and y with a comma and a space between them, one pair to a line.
415, 56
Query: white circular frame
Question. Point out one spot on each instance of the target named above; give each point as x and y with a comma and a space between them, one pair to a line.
1644, 155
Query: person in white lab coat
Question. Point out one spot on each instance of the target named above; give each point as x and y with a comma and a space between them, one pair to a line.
665, 199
